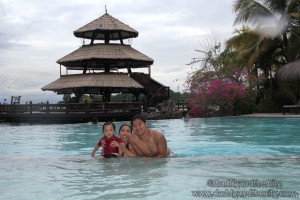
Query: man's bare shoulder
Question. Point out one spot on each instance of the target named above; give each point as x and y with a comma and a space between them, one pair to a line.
156, 133
132, 137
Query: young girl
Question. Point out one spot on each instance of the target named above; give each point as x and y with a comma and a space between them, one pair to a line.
109, 150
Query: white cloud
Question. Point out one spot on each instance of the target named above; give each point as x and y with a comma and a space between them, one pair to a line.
34, 34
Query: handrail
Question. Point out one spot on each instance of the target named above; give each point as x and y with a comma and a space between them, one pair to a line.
70, 107
182, 106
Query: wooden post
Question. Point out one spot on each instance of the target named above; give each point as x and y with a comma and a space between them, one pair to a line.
106, 37
66, 103
121, 40
145, 105
149, 71
30, 107
47, 107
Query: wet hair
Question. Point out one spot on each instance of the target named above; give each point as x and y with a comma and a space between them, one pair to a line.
138, 116
123, 126
108, 123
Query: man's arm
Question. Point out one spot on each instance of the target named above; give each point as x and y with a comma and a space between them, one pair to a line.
130, 152
161, 145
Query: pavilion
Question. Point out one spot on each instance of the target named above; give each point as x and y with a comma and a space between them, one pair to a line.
103, 67
99, 63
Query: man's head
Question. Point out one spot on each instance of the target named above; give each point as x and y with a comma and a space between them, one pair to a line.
138, 116
139, 124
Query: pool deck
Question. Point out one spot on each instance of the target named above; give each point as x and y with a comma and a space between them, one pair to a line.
270, 115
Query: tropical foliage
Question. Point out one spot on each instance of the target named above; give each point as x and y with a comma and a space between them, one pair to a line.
220, 84
215, 94
269, 37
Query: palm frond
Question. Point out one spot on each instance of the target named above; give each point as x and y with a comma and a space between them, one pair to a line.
250, 12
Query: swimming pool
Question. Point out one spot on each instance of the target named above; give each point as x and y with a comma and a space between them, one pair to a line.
214, 156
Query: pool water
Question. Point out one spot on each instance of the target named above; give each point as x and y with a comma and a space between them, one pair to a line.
53, 161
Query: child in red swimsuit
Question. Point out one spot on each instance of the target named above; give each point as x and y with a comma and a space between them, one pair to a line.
109, 150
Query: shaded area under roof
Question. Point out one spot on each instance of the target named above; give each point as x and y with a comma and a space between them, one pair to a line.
289, 72
106, 26
94, 83
99, 56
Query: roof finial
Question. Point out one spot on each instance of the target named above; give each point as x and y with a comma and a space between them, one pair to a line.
105, 10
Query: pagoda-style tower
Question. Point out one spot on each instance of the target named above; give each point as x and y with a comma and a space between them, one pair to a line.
99, 64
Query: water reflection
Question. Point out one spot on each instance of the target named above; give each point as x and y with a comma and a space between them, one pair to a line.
111, 178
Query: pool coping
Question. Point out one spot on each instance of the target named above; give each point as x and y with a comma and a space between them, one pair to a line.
270, 115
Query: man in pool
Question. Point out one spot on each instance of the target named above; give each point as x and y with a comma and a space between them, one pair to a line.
146, 142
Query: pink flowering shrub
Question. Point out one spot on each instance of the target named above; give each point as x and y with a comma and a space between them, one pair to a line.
222, 84
214, 95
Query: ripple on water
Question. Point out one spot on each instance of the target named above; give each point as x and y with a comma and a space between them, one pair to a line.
53, 161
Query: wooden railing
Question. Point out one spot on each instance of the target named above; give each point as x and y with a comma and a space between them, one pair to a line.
182, 106
71, 107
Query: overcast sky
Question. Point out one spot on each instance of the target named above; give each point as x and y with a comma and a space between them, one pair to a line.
34, 34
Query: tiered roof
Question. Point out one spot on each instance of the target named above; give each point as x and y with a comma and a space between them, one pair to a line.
95, 83
98, 55
104, 26
101, 56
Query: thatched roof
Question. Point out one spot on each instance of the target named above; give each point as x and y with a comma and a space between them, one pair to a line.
106, 25
97, 56
289, 72
145, 79
93, 83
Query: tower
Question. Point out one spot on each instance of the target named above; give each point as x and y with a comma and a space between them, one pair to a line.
98, 64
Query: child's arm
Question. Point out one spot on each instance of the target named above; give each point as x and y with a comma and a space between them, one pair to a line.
123, 150
95, 149
119, 145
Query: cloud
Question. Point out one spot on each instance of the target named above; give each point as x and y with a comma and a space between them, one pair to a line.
34, 34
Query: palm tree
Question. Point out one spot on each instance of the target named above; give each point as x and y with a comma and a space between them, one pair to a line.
269, 36
257, 52
250, 45
275, 18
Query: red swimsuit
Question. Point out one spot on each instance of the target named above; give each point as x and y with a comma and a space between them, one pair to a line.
107, 148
